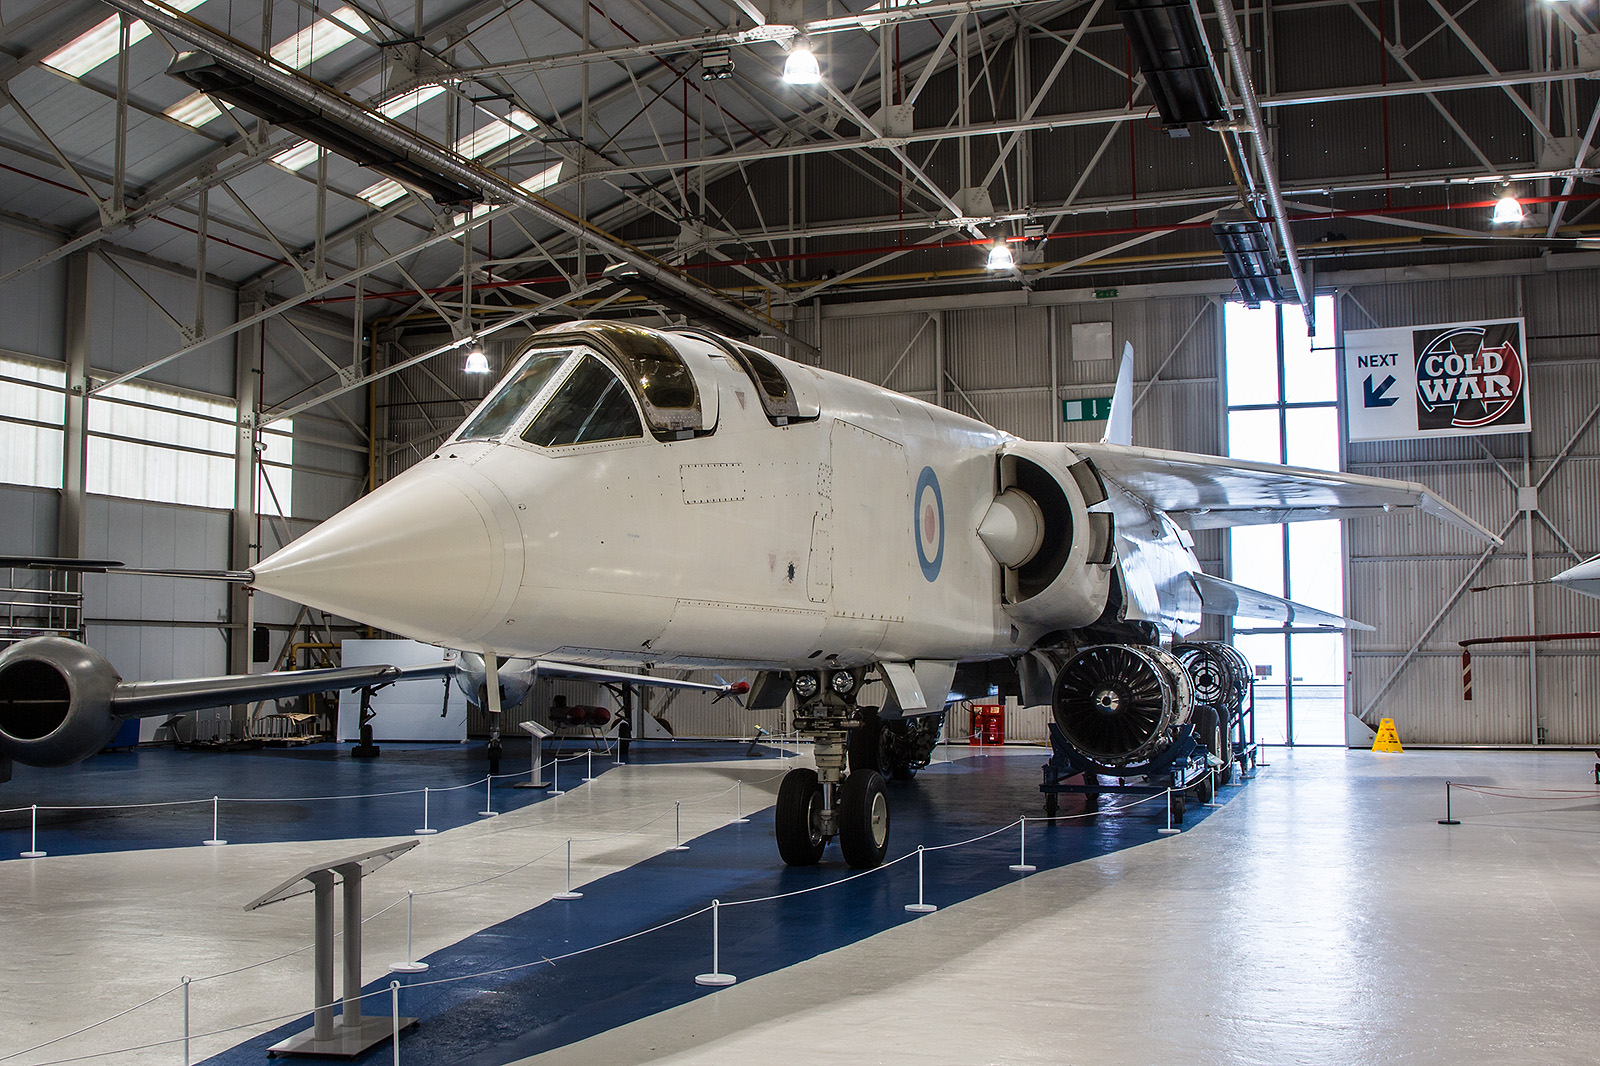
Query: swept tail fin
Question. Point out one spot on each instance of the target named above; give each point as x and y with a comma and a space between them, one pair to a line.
1119, 427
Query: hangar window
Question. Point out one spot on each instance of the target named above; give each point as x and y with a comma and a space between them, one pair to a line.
1283, 401
591, 404
152, 443
31, 412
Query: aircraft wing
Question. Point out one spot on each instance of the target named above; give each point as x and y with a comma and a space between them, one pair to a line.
1213, 492
1224, 597
146, 699
551, 668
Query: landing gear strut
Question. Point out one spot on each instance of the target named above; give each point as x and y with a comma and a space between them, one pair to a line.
843, 797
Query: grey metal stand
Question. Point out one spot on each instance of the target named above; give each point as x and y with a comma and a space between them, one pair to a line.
353, 1034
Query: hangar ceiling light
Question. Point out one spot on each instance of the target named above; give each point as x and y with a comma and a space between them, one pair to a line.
801, 67
1000, 257
88, 50
1507, 209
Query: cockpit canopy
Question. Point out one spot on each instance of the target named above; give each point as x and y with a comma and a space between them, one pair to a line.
587, 382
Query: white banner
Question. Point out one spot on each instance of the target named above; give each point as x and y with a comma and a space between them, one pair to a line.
1446, 380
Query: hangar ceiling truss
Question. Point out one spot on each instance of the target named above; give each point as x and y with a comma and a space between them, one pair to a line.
937, 128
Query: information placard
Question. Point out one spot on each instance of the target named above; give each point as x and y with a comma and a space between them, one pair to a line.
1444, 380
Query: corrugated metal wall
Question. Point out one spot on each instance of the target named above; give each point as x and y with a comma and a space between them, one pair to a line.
1405, 574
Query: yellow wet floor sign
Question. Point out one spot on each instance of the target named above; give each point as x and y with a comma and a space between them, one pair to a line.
1387, 739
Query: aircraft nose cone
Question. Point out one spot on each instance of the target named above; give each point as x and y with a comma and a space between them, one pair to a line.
1584, 578
435, 556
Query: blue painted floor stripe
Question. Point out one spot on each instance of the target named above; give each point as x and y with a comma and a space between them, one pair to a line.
492, 1021
162, 775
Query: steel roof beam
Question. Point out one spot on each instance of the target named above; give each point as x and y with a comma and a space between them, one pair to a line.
397, 138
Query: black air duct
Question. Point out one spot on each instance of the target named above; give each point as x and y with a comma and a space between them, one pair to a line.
1252, 257
206, 74
1169, 46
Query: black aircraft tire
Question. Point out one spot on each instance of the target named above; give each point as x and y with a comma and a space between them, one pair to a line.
864, 820
865, 750
799, 801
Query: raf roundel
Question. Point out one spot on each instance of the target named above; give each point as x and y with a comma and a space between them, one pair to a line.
928, 522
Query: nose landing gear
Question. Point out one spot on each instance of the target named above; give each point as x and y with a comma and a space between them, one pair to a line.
836, 799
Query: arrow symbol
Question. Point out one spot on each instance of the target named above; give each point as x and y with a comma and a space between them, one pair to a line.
1376, 397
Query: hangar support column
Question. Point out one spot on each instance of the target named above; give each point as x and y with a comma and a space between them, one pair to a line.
242, 545
70, 536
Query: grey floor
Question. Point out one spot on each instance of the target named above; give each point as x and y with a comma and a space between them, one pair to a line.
1322, 916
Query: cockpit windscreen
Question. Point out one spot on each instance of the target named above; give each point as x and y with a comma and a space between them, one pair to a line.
505, 408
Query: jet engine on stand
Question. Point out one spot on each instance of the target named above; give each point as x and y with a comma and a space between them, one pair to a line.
1138, 719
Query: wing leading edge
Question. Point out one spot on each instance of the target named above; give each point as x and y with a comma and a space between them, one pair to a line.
1246, 604
1213, 492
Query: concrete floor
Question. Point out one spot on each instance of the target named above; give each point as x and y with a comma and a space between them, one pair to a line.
1321, 916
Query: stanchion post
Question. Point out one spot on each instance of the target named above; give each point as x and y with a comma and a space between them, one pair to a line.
1021, 866
555, 777
216, 837
411, 965
186, 982
677, 829
488, 798
425, 831
716, 978
568, 894
33, 851
920, 906
738, 804
588, 765
1448, 818
394, 1014
1169, 828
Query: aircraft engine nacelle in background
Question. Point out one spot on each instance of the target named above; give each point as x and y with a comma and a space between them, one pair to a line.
1057, 553
55, 702
1120, 705
516, 678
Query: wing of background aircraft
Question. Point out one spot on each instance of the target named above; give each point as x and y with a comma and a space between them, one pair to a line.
1213, 492
1248, 605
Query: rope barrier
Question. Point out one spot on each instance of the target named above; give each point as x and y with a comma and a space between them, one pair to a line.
543, 960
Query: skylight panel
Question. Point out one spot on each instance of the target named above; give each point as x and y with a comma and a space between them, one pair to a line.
195, 110
87, 51
383, 193
492, 135
325, 35
542, 180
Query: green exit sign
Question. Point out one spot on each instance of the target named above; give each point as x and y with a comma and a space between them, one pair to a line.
1088, 409
1105, 294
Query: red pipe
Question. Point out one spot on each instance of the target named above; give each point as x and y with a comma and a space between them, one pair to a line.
1530, 638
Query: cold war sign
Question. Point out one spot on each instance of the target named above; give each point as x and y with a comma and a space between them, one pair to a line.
1447, 380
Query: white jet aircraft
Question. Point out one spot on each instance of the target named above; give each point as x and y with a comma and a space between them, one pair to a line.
1583, 578
631, 497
